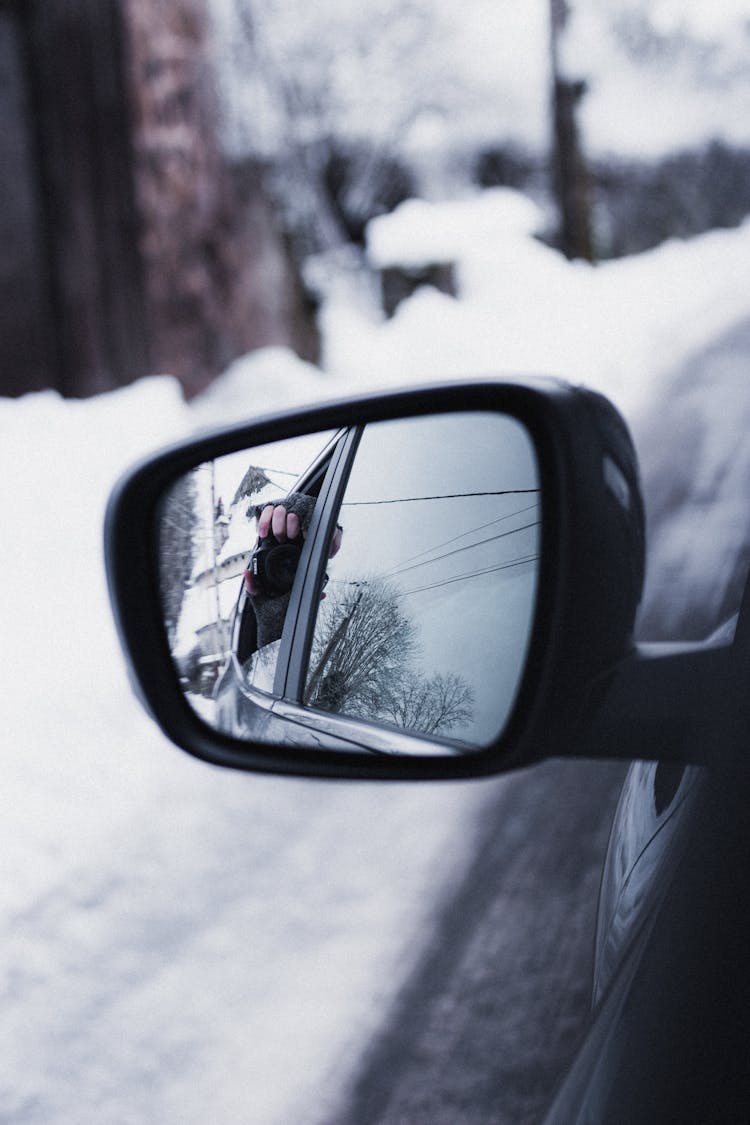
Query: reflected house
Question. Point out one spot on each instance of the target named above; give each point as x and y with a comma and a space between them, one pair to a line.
208, 606
225, 537
215, 589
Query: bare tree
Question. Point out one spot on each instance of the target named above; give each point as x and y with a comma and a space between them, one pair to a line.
320, 79
177, 547
362, 665
433, 706
365, 640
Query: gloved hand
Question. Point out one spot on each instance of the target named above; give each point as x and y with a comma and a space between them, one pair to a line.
288, 520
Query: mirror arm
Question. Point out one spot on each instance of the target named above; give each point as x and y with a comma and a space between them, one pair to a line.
668, 702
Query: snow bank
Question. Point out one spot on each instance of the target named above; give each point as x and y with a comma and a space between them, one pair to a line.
636, 328
621, 326
174, 935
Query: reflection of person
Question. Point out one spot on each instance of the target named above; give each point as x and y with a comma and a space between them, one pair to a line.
288, 523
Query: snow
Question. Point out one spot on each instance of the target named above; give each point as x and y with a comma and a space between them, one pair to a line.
171, 932
522, 309
420, 233
208, 926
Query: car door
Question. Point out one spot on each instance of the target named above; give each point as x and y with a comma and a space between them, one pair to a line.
648, 835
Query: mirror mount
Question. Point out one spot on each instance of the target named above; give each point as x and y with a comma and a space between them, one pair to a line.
685, 703
671, 703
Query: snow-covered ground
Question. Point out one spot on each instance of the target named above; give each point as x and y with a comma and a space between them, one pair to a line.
185, 944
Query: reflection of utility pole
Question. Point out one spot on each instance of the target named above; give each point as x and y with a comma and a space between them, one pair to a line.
220, 627
571, 181
328, 651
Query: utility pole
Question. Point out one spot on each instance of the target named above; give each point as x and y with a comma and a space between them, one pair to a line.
333, 643
570, 175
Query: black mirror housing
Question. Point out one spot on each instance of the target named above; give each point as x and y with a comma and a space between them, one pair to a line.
590, 577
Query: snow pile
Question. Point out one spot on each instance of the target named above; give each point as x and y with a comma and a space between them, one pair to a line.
522, 309
264, 382
419, 233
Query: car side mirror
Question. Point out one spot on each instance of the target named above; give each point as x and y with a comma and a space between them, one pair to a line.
436, 582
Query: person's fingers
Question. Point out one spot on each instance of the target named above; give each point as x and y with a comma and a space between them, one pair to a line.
278, 523
264, 523
284, 525
292, 525
250, 584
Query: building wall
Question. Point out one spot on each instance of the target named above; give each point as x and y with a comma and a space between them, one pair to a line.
129, 246
75, 295
26, 351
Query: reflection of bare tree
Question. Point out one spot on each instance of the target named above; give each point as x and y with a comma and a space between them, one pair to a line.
360, 664
432, 706
177, 547
363, 641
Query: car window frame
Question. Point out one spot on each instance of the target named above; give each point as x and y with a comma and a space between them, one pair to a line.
299, 624
302, 485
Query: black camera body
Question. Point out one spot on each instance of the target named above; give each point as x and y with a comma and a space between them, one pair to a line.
273, 565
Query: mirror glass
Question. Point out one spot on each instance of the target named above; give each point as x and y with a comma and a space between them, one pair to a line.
369, 588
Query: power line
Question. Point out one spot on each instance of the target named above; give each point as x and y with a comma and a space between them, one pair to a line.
442, 496
461, 535
472, 574
468, 547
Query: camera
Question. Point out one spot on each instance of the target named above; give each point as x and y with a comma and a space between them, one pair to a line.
273, 565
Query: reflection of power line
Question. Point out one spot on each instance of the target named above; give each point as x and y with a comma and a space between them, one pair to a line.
467, 547
472, 574
461, 535
442, 496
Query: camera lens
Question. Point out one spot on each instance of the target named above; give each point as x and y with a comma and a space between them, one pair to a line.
281, 566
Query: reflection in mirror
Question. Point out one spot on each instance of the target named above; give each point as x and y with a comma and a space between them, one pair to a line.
208, 534
431, 599
393, 565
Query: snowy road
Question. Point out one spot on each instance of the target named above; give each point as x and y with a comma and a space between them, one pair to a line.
234, 970
487, 1025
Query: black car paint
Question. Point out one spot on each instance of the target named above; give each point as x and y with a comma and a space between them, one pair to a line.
648, 835
670, 1033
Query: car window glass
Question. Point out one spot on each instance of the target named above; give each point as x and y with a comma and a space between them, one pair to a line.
430, 599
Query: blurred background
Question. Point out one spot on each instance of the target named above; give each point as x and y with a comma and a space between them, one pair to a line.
213, 209
183, 181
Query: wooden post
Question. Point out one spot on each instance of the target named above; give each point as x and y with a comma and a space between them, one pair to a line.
570, 176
